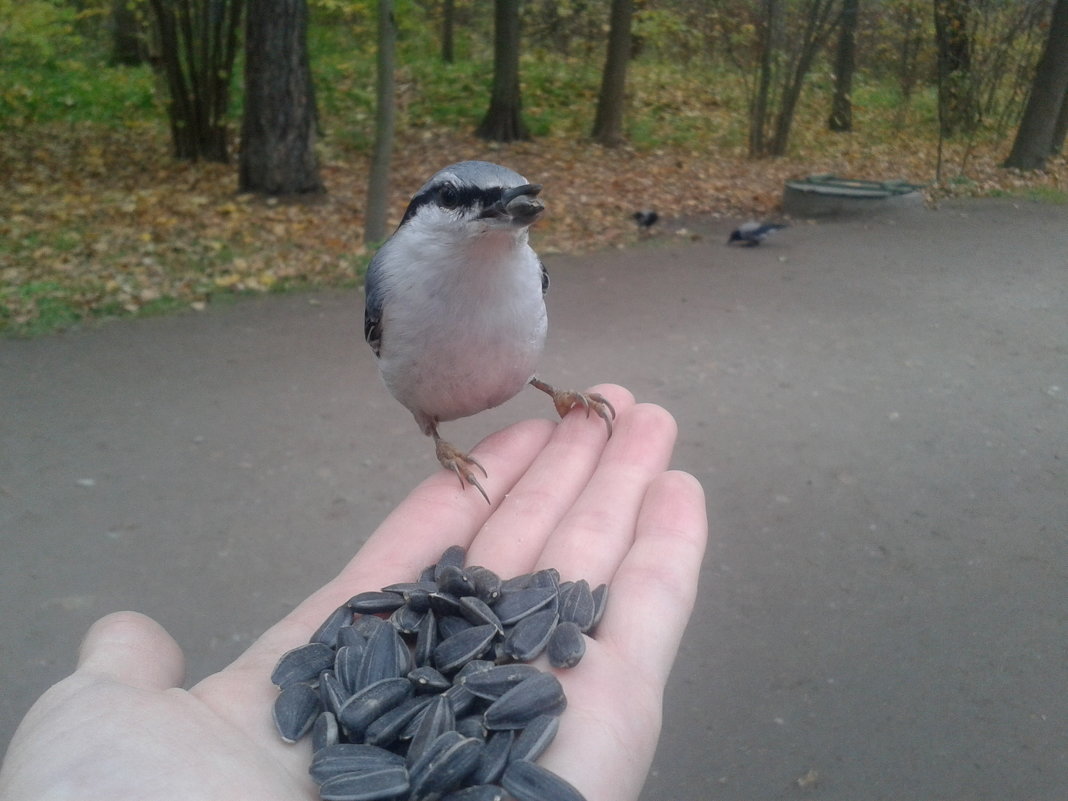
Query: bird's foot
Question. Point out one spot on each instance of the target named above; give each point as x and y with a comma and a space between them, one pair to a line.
567, 399
460, 463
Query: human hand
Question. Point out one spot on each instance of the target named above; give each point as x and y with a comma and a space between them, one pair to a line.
120, 727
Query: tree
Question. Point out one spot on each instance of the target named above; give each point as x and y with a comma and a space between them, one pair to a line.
957, 103
608, 121
504, 121
845, 64
1041, 131
196, 42
448, 26
278, 129
785, 62
127, 38
378, 186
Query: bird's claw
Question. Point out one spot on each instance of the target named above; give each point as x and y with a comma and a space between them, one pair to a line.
460, 463
567, 399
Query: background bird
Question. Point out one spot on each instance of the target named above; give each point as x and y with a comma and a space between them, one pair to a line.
455, 307
646, 219
751, 234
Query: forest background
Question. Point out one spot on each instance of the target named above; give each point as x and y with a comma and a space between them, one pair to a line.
103, 214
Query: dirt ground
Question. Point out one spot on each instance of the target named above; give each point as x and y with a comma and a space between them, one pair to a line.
877, 408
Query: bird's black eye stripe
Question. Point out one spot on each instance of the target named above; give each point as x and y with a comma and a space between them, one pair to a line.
451, 196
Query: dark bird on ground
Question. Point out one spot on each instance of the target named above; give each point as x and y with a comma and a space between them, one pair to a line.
751, 234
645, 219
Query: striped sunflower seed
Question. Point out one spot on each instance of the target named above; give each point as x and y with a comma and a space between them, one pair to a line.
567, 646
295, 711
577, 605
451, 654
444, 765
529, 636
302, 664
535, 738
371, 785
515, 605
529, 782
538, 695
342, 758
370, 703
476, 792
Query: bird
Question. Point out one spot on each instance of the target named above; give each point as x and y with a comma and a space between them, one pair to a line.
751, 234
455, 305
646, 219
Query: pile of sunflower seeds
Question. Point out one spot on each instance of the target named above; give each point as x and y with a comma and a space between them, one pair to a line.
436, 702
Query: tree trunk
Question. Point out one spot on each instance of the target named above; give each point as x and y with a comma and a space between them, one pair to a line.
196, 42
958, 107
845, 63
1061, 128
127, 37
278, 130
608, 121
758, 109
819, 24
504, 121
448, 24
378, 186
1035, 138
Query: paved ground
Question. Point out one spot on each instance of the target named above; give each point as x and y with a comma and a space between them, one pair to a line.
878, 410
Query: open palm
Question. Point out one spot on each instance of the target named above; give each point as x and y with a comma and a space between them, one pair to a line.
121, 728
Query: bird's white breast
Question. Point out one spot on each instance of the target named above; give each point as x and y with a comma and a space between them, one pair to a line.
463, 322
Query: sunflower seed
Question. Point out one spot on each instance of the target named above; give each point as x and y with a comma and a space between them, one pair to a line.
371, 702
476, 792
576, 605
445, 603
453, 556
487, 583
332, 691
302, 664
382, 658
325, 731
478, 612
345, 758
520, 582
455, 581
426, 639
494, 757
351, 635
444, 765
515, 605
347, 661
434, 721
449, 625
566, 647
529, 782
471, 726
416, 594
328, 631
460, 698
453, 652
530, 635
367, 624
600, 601
366, 785
535, 738
549, 577
495, 682
374, 603
391, 726
406, 620
295, 711
428, 680
537, 695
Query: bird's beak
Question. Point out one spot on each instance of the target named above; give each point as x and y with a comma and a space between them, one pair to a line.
519, 205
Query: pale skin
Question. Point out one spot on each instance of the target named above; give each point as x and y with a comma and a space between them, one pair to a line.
120, 727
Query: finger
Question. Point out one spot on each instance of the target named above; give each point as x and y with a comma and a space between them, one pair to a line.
596, 533
435, 515
512, 539
132, 649
653, 592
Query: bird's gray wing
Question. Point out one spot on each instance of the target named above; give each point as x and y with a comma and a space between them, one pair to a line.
544, 278
372, 310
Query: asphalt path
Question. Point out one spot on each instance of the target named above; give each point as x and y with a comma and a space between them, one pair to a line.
877, 408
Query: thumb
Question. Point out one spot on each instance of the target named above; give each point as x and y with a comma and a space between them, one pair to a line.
134, 650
